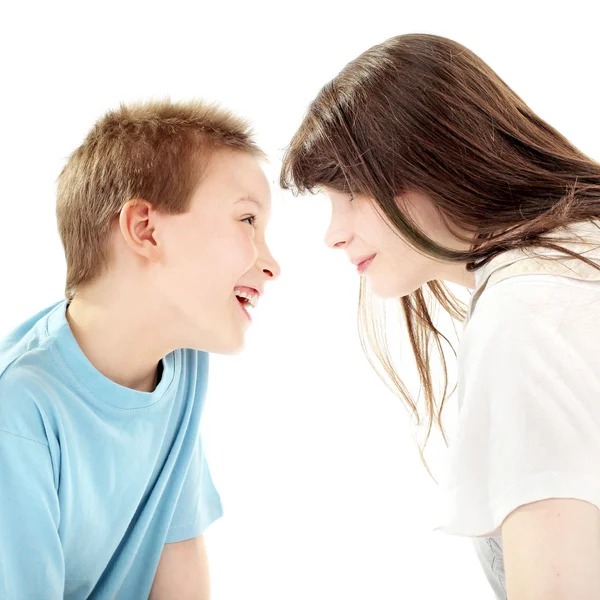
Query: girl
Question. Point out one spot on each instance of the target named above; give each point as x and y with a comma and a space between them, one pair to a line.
438, 172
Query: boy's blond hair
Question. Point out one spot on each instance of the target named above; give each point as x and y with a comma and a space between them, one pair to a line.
156, 151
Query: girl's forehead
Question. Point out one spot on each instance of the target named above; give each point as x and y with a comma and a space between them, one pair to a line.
333, 194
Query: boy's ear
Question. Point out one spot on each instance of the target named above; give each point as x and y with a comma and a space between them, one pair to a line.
138, 228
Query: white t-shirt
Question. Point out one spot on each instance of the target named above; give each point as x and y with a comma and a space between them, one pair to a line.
528, 396
529, 401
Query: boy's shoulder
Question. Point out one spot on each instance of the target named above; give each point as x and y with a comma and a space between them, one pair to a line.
25, 337
25, 370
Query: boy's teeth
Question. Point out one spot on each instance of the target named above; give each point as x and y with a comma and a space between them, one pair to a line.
252, 298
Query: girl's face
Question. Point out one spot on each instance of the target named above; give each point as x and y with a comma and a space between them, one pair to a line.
394, 268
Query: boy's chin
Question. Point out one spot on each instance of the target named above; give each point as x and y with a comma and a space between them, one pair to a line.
229, 347
230, 350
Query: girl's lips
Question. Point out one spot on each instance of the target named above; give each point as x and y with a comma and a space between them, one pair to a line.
362, 266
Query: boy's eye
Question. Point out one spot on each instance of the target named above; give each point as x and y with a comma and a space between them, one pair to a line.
251, 220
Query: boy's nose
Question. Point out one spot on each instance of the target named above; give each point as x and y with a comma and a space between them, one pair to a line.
269, 266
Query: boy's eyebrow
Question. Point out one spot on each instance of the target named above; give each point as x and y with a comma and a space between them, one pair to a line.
250, 199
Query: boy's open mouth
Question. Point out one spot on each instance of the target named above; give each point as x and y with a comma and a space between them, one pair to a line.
247, 297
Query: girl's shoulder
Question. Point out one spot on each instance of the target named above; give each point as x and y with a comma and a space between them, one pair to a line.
550, 268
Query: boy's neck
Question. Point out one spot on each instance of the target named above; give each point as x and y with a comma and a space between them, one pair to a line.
117, 337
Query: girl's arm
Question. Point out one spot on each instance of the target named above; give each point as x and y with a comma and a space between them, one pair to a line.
552, 551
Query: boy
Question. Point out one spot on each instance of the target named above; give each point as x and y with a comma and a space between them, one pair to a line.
105, 491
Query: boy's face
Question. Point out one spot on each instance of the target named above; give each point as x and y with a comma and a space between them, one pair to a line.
214, 252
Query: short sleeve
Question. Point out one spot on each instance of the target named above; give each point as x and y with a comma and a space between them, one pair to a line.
529, 403
199, 503
31, 557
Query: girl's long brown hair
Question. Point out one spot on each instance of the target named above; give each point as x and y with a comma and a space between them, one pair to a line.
421, 112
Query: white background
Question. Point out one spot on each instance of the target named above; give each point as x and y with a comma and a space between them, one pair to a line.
324, 494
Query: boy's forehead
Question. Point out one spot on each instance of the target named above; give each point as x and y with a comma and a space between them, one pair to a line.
231, 181
242, 174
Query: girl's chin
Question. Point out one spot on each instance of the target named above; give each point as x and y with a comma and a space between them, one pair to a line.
392, 292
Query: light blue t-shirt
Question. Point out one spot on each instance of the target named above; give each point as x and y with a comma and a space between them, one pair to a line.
94, 477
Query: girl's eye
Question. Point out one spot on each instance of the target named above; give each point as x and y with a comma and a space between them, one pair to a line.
251, 220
